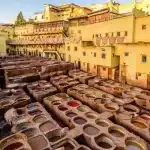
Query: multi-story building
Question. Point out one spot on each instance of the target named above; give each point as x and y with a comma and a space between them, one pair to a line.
6, 32
103, 41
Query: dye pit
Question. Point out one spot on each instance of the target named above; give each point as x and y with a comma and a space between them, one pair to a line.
48, 105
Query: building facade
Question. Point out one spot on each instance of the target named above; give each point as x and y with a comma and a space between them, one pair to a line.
102, 41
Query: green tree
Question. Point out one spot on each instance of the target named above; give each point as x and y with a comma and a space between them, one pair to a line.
20, 19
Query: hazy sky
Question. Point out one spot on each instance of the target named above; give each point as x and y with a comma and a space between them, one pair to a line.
10, 8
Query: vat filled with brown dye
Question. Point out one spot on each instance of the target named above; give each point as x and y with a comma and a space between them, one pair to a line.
38, 143
103, 141
47, 126
79, 120
90, 130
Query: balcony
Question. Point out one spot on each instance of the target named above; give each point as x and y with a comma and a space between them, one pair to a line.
87, 43
40, 31
44, 41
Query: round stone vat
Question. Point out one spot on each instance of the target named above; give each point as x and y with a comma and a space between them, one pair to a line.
107, 96
35, 112
91, 115
90, 130
73, 104
102, 123
63, 84
22, 126
71, 114
56, 102
103, 141
83, 108
54, 136
47, 126
21, 111
62, 108
38, 143
39, 119
116, 131
140, 123
131, 108
112, 106
14, 146
30, 132
133, 144
32, 106
79, 120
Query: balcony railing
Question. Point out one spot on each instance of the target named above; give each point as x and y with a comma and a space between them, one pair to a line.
51, 30
50, 41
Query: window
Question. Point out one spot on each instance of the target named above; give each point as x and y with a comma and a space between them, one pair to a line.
113, 55
118, 33
68, 48
143, 27
93, 35
96, 35
106, 34
126, 33
103, 55
126, 53
95, 66
94, 54
84, 53
42, 16
79, 31
112, 34
75, 48
35, 18
144, 58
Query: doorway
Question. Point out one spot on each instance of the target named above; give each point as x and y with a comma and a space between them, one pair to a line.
79, 64
109, 73
88, 67
98, 70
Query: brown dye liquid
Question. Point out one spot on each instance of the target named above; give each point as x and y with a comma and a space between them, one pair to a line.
104, 145
68, 146
80, 121
47, 126
102, 123
13, 146
71, 114
91, 116
116, 133
129, 109
54, 138
30, 132
109, 107
90, 130
62, 108
139, 124
38, 143
39, 119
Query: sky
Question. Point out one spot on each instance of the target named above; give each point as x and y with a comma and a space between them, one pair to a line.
10, 8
